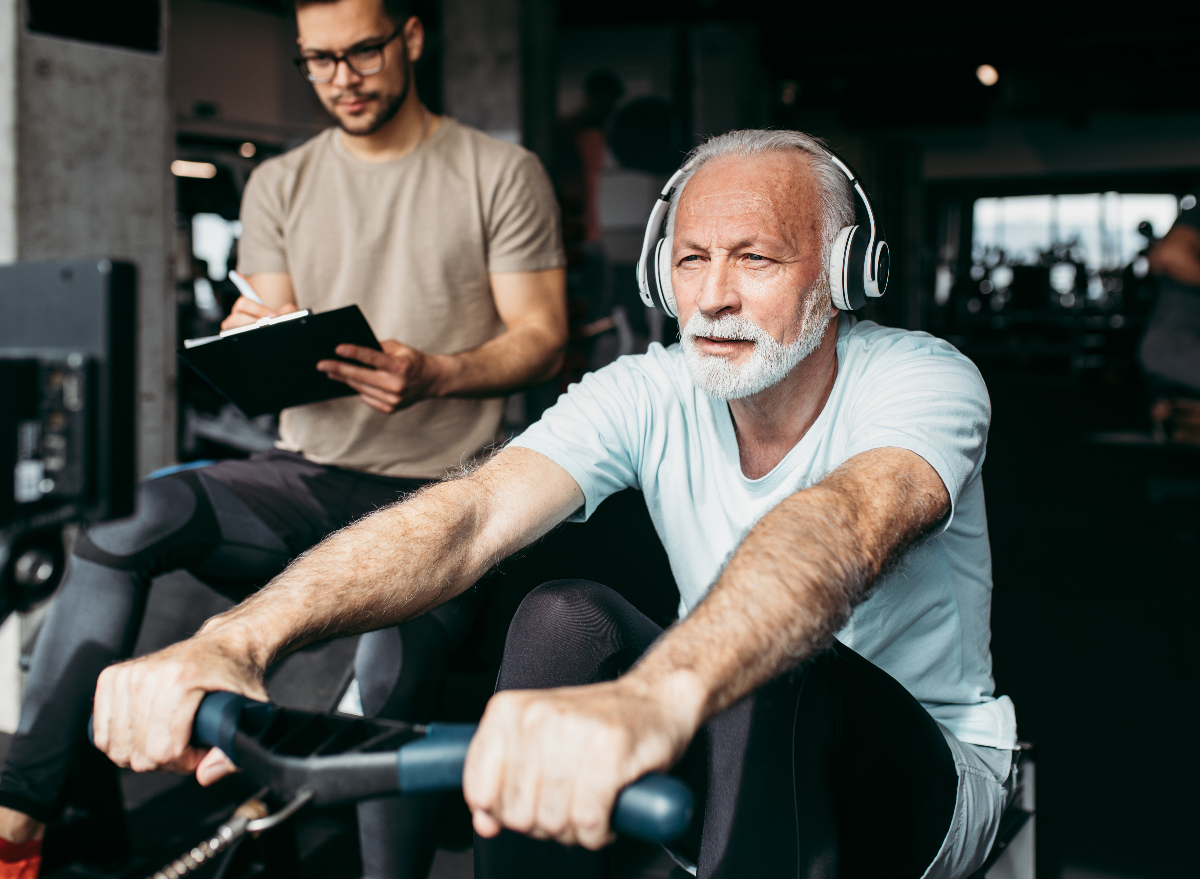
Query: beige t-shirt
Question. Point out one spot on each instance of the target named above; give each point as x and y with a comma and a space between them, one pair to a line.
411, 242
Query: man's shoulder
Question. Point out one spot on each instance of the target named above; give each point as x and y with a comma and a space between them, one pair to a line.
868, 341
879, 355
489, 155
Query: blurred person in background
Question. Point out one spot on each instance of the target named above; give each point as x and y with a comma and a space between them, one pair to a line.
580, 154
1170, 351
449, 242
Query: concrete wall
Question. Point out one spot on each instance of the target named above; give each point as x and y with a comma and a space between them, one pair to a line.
482, 65
93, 150
9, 26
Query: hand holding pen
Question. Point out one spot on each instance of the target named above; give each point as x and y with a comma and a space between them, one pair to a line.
250, 307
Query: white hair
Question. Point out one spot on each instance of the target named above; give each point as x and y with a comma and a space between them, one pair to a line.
837, 198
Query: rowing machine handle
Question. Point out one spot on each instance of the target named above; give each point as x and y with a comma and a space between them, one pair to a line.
656, 807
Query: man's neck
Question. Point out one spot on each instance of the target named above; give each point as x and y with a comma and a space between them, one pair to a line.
401, 135
770, 423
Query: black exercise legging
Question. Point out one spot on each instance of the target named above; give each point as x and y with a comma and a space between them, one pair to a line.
234, 525
832, 770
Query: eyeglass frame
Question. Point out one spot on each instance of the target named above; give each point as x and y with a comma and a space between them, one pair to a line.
339, 57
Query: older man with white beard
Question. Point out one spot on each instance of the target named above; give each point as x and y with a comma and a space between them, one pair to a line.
816, 482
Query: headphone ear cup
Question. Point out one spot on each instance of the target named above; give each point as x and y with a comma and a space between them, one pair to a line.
837, 268
662, 267
883, 267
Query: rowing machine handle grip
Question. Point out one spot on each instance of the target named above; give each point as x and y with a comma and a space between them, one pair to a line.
656, 807
215, 721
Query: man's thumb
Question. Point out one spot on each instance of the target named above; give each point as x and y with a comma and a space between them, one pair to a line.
214, 767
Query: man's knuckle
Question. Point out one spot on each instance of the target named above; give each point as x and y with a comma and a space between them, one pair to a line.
503, 707
517, 813
590, 841
554, 822
535, 715
589, 816
477, 800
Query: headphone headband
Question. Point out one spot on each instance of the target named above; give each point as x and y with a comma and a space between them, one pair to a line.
858, 261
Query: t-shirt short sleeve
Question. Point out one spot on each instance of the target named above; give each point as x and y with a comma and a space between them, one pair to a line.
925, 397
1190, 213
593, 432
523, 225
262, 247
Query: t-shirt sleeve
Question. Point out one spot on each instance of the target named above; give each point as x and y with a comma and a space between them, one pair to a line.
262, 245
522, 226
1190, 215
593, 432
928, 399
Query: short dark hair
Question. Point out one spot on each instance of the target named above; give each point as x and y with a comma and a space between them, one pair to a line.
399, 11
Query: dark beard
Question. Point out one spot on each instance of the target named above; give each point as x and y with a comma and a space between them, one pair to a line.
390, 109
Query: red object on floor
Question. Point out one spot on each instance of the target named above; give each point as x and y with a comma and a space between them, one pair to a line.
20, 860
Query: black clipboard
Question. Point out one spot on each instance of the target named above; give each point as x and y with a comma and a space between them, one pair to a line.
273, 366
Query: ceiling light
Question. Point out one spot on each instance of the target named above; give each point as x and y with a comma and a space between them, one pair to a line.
203, 170
247, 150
987, 74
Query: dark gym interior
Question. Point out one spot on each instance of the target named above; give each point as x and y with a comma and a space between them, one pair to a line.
1024, 158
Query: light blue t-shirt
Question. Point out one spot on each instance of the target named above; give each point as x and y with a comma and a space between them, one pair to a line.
641, 422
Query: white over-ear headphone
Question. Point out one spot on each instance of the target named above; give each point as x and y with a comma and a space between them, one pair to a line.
858, 260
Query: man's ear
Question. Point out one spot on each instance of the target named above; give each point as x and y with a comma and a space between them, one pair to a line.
414, 39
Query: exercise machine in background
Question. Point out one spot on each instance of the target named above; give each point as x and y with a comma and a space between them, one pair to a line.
68, 343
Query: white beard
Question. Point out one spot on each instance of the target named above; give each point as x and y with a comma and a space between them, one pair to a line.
770, 361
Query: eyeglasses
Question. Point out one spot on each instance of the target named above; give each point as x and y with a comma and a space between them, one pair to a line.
363, 60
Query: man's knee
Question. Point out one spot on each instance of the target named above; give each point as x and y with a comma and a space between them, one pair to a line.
570, 632
558, 605
165, 508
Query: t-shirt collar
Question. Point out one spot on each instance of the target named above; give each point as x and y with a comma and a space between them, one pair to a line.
723, 419
339, 148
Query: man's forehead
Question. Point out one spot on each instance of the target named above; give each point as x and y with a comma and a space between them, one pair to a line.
773, 187
771, 178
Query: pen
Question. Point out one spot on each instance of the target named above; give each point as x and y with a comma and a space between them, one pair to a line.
244, 287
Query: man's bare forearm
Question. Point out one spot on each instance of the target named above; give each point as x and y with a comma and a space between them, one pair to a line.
386, 568
398, 563
533, 307
522, 356
794, 581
